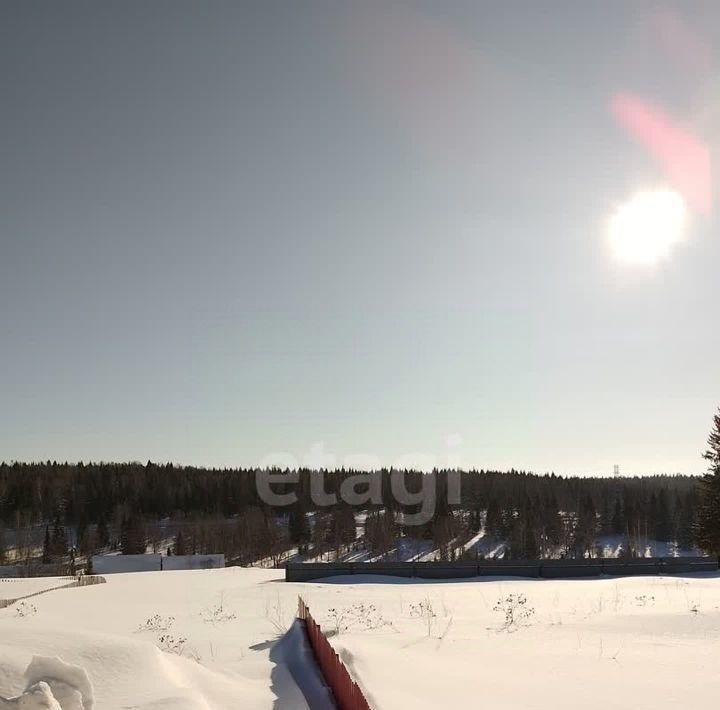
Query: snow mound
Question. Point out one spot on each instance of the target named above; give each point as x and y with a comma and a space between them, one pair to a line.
70, 684
125, 672
36, 697
52, 684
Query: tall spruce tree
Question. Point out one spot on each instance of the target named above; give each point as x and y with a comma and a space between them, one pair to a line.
298, 528
618, 518
59, 543
46, 553
133, 537
663, 519
707, 527
103, 534
585, 529
493, 519
179, 548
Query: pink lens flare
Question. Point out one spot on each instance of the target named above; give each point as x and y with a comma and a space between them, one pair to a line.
684, 158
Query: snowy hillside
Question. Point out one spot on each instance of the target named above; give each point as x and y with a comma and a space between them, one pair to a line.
212, 639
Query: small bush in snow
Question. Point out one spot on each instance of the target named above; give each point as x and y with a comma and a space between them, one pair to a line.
178, 646
171, 644
157, 623
358, 615
516, 611
424, 610
217, 614
643, 600
25, 609
275, 614
167, 642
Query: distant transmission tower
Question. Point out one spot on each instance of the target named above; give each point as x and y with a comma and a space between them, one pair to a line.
616, 471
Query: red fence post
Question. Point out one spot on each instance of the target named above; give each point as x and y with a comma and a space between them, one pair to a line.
346, 692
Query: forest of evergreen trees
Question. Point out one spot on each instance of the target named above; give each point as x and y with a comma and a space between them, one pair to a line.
84, 508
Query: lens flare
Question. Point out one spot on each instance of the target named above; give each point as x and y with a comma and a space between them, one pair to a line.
644, 230
683, 157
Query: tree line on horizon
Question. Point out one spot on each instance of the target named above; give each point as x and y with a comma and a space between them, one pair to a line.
85, 508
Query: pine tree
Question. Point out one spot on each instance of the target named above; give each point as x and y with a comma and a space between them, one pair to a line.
58, 544
663, 521
442, 531
103, 534
46, 553
687, 511
133, 539
88, 542
347, 525
80, 531
298, 528
552, 522
586, 528
618, 518
606, 515
523, 541
493, 519
179, 546
707, 528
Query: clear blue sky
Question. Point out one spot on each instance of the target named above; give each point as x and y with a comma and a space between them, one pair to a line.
233, 229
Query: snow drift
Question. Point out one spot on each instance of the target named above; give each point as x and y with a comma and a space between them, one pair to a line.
52, 684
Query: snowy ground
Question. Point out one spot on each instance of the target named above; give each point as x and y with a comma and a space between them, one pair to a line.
609, 643
600, 643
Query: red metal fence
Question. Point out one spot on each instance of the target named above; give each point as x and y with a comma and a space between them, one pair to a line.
346, 692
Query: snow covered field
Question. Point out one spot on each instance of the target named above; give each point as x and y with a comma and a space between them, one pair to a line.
607, 643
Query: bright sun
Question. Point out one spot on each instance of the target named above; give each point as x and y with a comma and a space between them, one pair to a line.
644, 229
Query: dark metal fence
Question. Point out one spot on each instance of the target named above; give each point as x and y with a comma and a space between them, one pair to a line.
546, 569
346, 692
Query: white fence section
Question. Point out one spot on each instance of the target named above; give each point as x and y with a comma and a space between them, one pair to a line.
21, 586
114, 564
176, 562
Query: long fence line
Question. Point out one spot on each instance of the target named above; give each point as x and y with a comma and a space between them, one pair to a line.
80, 581
533, 569
345, 690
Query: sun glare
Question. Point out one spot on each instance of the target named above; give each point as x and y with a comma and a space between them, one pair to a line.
644, 230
